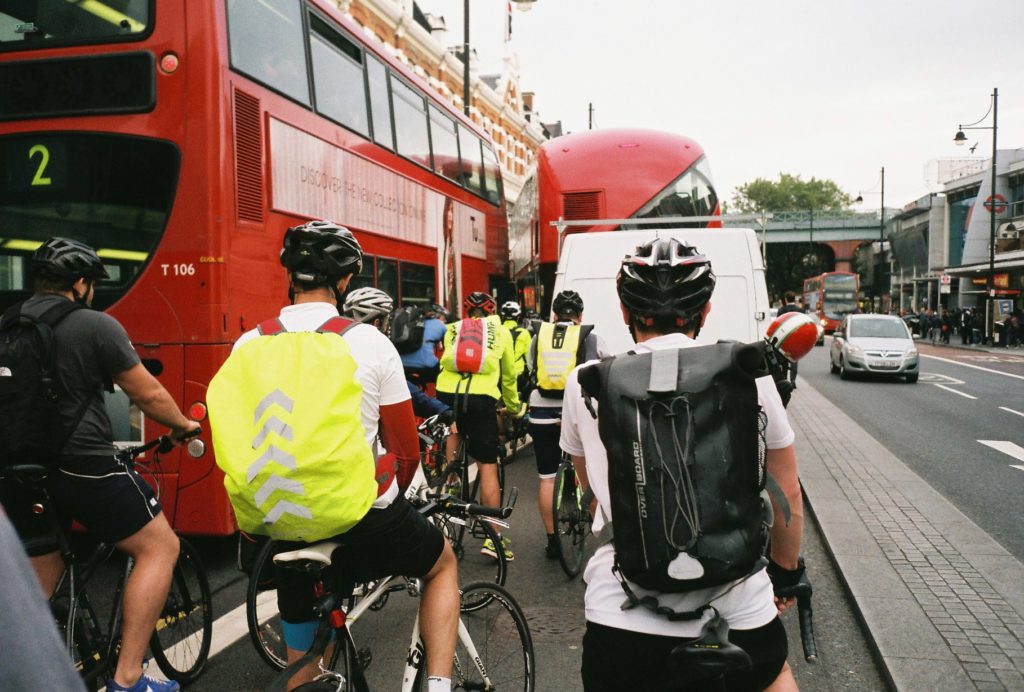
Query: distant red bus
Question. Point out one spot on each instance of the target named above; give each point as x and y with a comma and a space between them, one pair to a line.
830, 297
602, 175
181, 143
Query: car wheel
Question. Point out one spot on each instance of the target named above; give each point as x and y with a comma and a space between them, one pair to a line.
820, 341
844, 374
911, 379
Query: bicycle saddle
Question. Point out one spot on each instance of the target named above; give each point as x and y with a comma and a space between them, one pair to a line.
711, 656
319, 553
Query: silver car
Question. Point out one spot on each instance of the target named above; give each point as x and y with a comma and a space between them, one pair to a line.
875, 345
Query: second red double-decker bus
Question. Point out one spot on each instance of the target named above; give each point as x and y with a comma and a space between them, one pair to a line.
830, 297
602, 175
181, 138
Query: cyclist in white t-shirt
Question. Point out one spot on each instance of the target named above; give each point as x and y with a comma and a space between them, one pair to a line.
664, 289
392, 537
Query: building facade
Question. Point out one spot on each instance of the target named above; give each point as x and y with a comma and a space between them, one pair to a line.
497, 104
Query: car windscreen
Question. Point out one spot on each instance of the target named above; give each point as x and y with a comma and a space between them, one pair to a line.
881, 329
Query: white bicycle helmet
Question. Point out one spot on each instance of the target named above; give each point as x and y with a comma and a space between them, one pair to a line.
366, 304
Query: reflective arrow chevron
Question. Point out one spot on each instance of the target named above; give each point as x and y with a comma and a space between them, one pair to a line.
272, 425
276, 482
275, 397
284, 507
272, 454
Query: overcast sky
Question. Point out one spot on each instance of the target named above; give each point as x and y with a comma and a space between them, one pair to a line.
817, 88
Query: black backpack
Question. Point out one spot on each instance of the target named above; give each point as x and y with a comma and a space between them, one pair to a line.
31, 432
686, 462
407, 324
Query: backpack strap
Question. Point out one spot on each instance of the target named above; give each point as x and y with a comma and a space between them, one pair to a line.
271, 327
337, 325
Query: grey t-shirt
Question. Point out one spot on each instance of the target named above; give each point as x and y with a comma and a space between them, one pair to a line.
91, 347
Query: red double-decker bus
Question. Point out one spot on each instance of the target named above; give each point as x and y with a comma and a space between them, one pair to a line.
830, 297
602, 175
181, 138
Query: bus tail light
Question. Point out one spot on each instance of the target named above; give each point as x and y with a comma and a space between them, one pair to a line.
197, 411
169, 62
196, 448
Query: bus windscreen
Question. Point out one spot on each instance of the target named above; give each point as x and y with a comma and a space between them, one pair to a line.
111, 192
44, 23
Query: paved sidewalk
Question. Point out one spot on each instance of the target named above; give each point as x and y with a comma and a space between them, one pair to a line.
942, 601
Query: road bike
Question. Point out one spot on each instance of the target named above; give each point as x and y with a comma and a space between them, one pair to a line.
494, 649
180, 643
263, 619
572, 518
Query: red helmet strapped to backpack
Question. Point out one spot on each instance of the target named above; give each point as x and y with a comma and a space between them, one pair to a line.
478, 300
793, 334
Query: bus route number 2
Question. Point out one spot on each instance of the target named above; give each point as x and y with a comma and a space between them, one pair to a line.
188, 269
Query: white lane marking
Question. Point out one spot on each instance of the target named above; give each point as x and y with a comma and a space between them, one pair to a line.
955, 391
976, 367
1011, 410
1009, 448
934, 377
1017, 466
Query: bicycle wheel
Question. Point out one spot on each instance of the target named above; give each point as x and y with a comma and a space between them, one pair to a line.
496, 642
571, 525
184, 632
473, 566
261, 610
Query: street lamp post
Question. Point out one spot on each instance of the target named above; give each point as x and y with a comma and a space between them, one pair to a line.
881, 242
960, 139
523, 5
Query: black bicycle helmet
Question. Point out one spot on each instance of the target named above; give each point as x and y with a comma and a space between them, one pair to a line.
321, 252
567, 303
68, 260
510, 310
665, 278
478, 300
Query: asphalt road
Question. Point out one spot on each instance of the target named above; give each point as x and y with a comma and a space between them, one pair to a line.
961, 427
553, 606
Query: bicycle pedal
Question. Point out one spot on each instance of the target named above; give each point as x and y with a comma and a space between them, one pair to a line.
365, 658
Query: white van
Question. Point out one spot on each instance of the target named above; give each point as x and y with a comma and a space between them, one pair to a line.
589, 263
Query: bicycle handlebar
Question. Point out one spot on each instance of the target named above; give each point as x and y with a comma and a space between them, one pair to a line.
802, 592
162, 443
452, 505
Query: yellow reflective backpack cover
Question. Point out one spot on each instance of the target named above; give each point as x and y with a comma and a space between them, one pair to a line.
286, 418
558, 352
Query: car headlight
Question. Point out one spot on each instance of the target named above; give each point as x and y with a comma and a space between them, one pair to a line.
911, 352
854, 350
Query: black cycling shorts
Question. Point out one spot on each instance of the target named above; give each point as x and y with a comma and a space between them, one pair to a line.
390, 541
546, 449
110, 500
616, 659
476, 414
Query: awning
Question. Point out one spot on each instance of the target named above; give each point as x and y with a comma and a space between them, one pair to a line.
1007, 260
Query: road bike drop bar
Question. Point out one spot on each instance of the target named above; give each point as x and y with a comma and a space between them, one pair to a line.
802, 592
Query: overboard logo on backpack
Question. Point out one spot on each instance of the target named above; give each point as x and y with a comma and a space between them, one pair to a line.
472, 345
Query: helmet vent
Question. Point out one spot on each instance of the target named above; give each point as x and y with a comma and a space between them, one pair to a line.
248, 157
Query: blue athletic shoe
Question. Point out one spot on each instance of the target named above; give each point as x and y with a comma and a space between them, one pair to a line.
145, 684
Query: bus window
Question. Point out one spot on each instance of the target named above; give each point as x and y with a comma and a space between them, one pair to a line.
418, 284
445, 144
267, 44
338, 77
380, 102
492, 176
691, 194
387, 276
472, 168
45, 24
112, 192
411, 135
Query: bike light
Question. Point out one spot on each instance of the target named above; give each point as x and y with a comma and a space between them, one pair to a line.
169, 62
196, 448
197, 411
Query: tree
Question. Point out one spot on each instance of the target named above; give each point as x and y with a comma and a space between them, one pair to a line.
788, 264
789, 193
